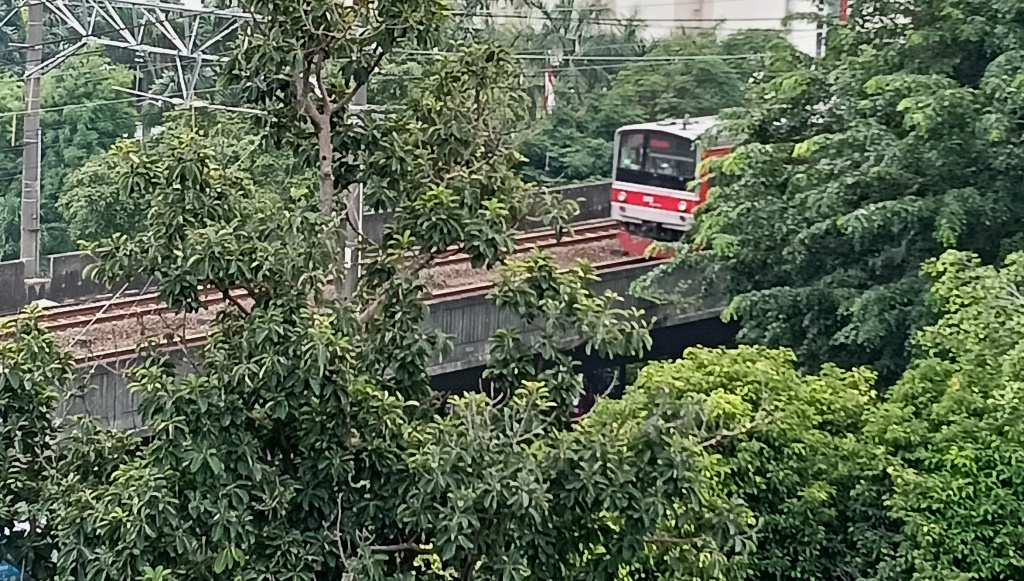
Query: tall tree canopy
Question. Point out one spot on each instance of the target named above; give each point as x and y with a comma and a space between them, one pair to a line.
802, 468
922, 484
951, 429
902, 142
108, 194
82, 116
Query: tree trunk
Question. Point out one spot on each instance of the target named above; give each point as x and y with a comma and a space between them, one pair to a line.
326, 155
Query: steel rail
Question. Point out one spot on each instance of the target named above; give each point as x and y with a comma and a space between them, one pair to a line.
66, 317
199, 339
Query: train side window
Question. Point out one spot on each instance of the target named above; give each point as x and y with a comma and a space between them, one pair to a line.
631, 151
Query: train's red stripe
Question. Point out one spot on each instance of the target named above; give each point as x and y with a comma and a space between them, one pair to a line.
656, 201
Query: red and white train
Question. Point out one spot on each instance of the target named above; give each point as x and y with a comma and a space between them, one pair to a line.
654, 167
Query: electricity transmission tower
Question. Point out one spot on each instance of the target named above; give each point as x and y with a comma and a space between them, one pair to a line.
187, 36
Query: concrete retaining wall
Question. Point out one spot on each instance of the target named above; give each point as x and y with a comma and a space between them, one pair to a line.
12, 286
67, 277
473, 320
67, 283
107, 397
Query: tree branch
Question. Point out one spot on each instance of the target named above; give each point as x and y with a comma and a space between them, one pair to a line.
467, 570
368, 313
344, 103
337, 536
234, 300
305, 104
759, 420
670, 541
329, 108
400, 548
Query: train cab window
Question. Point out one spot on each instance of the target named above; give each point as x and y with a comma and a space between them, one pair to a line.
670, 156
631, 152
656, 159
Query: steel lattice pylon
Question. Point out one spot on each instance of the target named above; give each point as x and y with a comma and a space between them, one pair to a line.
184, 33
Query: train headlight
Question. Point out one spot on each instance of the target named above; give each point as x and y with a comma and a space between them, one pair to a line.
682, 206
622, 196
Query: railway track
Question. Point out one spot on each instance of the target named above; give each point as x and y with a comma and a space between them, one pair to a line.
64, 318
199, 338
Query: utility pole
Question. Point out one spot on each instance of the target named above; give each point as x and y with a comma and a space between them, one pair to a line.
354, 220
32, 148
820, 35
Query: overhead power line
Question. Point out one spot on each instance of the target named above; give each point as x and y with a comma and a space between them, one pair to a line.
626, 20
602, 8
667, 58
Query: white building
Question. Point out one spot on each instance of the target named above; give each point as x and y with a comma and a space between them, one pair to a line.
663, 17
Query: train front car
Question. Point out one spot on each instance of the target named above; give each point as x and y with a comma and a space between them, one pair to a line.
655, 165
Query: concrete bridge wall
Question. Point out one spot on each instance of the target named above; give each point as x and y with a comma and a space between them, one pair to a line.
471, 321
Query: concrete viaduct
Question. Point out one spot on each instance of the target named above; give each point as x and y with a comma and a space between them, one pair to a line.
470, 319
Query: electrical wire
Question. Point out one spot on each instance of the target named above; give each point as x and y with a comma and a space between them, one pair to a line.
51, 126
136, 66
627, 20
668, 58
602, 8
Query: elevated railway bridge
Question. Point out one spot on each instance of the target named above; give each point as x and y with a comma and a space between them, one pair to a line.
461, 312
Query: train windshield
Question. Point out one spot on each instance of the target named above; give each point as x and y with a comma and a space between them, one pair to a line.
656, 159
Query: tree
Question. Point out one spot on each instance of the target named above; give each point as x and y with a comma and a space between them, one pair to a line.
108, 195
800, 464
10, 25
308, 443
31, 365
900, 143
951, 428
88, 116
82, 116
923, 484
569, 31
575, 142
703, 86
11, 102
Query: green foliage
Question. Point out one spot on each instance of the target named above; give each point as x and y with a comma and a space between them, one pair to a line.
11, 101
101, 200
575, 142
569, 315
75, 133
208, 225
923, 485
31, 366
798, 463
307, 443
951, 428
572, 28
110, 194
10, 32
322, 475
82, 116
901, 143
